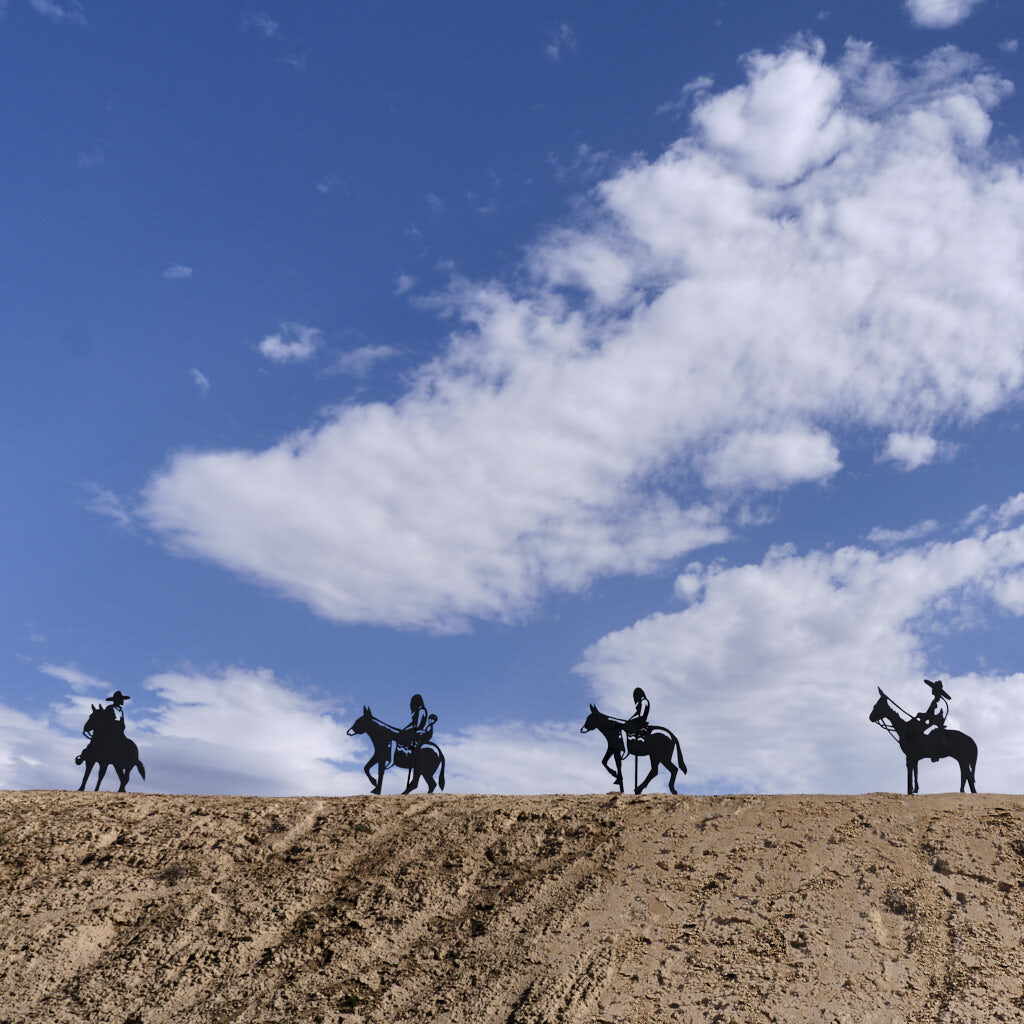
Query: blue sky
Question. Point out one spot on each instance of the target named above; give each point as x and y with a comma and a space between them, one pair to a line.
515, 355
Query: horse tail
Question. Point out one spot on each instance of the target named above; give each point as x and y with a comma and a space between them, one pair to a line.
141, 767
440, 778
679, 753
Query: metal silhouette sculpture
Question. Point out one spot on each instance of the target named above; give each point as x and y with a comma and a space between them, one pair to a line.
108, 745
410, 747
917, 742
633, 736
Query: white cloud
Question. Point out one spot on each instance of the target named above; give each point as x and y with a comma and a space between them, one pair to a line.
811, 259
1009, 45
881, 535
201, 381
563, 40
294, 343
768, 461
260, 21
177, 272
359, 361
768, 676
107, 503
326, 184
436, 204
911, 451
404, 283
939, 13
70, 11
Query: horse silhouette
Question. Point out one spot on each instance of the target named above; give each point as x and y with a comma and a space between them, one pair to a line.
388, 749
917, 745
659, 745
108, 745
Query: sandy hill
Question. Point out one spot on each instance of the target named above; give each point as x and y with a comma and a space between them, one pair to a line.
144, 909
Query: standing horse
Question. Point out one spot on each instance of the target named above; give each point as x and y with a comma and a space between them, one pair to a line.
661, 744
917, 745
423, 760
108, 745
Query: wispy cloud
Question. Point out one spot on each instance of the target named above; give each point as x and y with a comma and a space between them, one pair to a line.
107, 503
688, 95
563, 40
91, 157
939, 13
294, 343
178, 272
201, 381
888, 538
326, 184
403, 283
260, 21
1009, 45
360, 361
70, 11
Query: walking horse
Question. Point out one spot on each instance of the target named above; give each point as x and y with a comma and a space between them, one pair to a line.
659, 744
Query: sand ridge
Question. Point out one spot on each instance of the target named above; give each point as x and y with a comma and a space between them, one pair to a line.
877, 909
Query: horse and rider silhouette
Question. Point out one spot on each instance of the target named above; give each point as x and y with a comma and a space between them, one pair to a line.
108, 746
917, 742
410, 747
633, 735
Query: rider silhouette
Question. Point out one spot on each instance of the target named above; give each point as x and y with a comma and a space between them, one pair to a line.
415, 733
637, 725
933, 716
116, 711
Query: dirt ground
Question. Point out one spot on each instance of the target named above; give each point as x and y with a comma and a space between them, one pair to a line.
137, 909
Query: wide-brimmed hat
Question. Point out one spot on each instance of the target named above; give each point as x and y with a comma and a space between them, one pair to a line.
937, 690
118, 698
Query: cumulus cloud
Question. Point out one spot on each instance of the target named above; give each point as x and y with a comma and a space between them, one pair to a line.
939, 13
832, 247
178, 272
911, 451
294, 343
770, 672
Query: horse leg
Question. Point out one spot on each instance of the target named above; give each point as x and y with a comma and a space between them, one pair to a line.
103, 771
375, 783
673, 772
428, 774
122, 774
414, 781
910, 778
85, 777
617, 773
650, 775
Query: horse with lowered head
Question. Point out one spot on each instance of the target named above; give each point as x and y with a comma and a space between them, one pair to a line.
108, 746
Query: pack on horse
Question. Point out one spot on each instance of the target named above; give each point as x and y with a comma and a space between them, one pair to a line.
917, 744
404, 748
108, 745
654, 741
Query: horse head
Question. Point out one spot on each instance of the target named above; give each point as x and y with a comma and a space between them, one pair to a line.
881, 709
593, 719
360, 724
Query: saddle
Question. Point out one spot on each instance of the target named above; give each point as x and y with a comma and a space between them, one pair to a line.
404, 749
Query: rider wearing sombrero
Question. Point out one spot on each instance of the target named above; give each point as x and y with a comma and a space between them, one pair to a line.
933, 715
116, 710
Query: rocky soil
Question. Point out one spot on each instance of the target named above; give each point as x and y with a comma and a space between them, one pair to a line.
135, 909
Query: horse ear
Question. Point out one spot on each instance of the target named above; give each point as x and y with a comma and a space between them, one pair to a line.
880, 694
366, 710
592, 707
